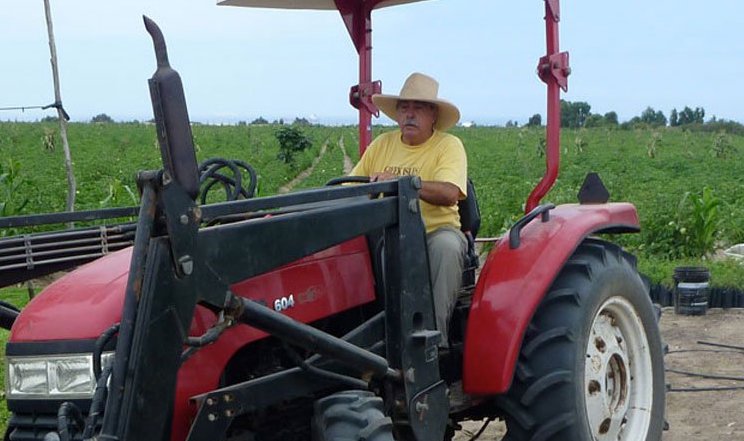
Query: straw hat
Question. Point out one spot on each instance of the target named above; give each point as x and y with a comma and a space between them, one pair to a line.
420, 87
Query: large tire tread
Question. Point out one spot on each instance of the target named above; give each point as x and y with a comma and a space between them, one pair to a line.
351, 416
535, 407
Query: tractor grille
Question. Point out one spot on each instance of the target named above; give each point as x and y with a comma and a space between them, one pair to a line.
27, 427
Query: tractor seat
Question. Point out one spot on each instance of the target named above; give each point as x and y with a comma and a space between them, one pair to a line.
469, 224
470, 220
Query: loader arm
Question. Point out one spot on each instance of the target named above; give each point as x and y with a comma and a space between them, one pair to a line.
176, 265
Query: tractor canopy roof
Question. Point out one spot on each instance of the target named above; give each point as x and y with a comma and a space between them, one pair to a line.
312, 4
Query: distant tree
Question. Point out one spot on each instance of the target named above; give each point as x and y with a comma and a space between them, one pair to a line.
699, 115
611, 118
535, 120
301, 122
686, 116
673, 118
594, 120
49, 119
653, 118
291, 140
511, 123
259, 120
689, 116
632, 123
102, 118
574, 114
721, 125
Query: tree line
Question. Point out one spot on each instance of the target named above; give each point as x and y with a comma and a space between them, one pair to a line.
578, 115
574, 115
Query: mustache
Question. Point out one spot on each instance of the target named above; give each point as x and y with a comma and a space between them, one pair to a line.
411, 122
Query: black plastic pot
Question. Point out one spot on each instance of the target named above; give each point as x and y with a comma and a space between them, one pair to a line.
691, 290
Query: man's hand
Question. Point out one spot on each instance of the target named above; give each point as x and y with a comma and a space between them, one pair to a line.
382, 176
433, 192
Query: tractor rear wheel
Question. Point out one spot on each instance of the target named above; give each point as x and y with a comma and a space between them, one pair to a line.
350, 416
591, 365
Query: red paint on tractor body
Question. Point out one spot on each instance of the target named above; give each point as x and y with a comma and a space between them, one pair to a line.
321, 285
63, 310
514, 282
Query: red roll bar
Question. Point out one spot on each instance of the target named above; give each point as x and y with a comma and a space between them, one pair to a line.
553, 69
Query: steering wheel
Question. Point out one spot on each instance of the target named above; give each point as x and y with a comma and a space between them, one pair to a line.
349, 180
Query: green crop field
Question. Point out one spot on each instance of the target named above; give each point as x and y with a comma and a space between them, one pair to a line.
685, 184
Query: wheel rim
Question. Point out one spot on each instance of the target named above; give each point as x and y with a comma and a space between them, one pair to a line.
618, 376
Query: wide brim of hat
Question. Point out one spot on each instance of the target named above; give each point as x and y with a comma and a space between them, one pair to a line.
449, 114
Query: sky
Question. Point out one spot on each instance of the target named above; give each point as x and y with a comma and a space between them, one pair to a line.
241, 63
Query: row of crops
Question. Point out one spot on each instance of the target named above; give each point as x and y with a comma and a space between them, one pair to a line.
685, 184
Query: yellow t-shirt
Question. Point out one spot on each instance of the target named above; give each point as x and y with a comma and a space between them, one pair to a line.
441, 158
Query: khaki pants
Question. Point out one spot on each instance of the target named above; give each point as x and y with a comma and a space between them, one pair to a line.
447, 247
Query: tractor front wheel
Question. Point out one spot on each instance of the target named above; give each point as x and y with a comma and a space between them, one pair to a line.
351, 415
591, 366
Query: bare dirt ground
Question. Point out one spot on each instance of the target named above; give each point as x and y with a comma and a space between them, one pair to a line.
696, 415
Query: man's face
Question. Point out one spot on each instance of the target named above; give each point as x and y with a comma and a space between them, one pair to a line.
416, 120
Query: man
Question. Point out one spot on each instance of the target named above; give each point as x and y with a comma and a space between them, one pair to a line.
421, 147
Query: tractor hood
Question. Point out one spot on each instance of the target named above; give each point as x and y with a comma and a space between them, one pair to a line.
84, 303
308, 4
62, 311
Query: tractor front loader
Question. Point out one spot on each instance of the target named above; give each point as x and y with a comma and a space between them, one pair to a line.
309, 315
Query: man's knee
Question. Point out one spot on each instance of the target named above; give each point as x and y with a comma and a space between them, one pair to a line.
447, 244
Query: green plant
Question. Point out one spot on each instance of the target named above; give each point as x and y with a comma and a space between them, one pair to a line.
654, 144
49, 139
701, 220
722, 146
119, 194
662, 235
13, 202
541, 147
580, 141
291, 140
521, 137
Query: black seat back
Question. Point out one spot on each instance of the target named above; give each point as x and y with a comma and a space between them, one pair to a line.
469, 224
470, 218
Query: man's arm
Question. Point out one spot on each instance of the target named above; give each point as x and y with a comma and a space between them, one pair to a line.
433, 192
439, 193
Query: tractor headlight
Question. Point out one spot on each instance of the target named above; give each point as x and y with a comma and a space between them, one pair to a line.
52, 376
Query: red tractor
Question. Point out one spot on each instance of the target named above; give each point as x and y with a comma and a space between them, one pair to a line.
309, 315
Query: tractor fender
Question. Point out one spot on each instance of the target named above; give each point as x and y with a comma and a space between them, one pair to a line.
513, 282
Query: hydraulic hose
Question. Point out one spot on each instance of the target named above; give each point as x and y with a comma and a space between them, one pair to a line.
97, 404
98, 350
68, 415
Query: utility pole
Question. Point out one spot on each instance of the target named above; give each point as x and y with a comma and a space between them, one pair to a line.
71, 186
